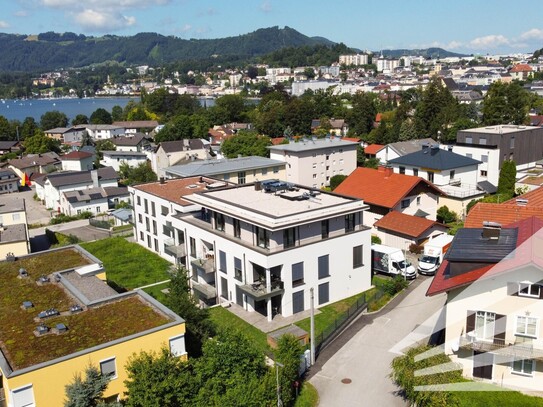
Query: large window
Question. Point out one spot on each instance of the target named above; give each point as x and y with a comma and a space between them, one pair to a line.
358, 258
526, 326
405, 203
108, 369
349, 222
263, 238
298, 302
164, 210
324, 266
153, 209
297, 274
192, 247
237, 227
289, 237
524, 366
325, 228
430, 176
238, 273
222, 261
146, 206
529, 290
219, 221
242, 176
485, 323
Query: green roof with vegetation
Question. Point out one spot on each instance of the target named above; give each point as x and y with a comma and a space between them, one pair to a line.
92, 327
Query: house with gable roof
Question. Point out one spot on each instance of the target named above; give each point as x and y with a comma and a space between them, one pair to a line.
170, 153
400, 148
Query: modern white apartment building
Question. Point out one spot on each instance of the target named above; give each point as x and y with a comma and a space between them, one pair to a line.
355, 59
313, 162
262, 246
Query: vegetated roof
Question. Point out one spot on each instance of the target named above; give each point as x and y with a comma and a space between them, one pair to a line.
435, 158
382, 187
213, 167
404, 224
527, 250
522, 207
95, 326
373, 148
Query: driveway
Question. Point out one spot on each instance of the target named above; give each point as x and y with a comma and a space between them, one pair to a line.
367, 349
36, 212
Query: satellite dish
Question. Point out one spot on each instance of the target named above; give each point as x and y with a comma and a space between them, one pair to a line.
455, 345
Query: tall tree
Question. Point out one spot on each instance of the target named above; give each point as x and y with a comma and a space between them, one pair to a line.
80, 119
288, 354
362, 115
507, 179
28, 128
177, 129
505, 103
87, 391
246, 143
117, 114
101, 116
40, 143
52, 119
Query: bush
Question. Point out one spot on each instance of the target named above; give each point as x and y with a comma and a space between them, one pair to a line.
390, 286
415, 248
375, 239
336, 180
444, 215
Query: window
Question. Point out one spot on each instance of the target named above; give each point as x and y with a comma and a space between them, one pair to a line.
177, 345
219, 221
484, 173
107, 368
484, 158
23, 396
97, 209
430, 176
524, 366
142, 237
263, 238
349, 222
469, 155
484, 325
327, 157
297, 274
275, 169
512, 142
314, 165
451, 175
138, 200
226, 177
154, 227
237, 227
341, 161
192, 247
146, 205
418, 200
482, 141
358, 256
325, 228
289, 237
324, 293
149, 242
469, 140
222, 261
416, 172
224, 288
156, 245
402, 170
314, 176
526, 326
153, 211
164, 210
147, 227
140, 218
529, 290
237, 269
298, 302
17, 216
241, 177
264, 171
324, 266
405, 203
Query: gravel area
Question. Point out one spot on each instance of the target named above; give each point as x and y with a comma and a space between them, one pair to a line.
90, 286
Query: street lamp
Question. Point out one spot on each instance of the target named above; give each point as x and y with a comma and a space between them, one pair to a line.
277, 366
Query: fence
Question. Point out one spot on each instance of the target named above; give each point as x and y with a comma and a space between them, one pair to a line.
334, 329
102, 224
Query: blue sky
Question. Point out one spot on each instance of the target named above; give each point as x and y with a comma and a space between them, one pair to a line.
467, 26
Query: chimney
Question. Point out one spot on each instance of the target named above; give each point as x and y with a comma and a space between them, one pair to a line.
424, 146
386, 169
162, 181
491, 230
94, 177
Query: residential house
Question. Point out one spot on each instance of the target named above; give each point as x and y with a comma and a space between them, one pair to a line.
338, 127
371, 150
133, 142
521, 72
50, 187
77, 161
492, 278
51, 335
67, 135
400, 148
35, 164
115, 159
7, 146
454, 174
170, 153
9, 181
137, 126
314, 161
237, 170
386, 192
94, 200
104, 131
495, 144
260, 246
14, 237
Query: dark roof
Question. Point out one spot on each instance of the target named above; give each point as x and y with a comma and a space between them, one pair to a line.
76, 155
435, 158
6, 145
469, 245
450, 83
59, 179
115, 191
488, 187
409, 146
33, 160
128, 141
181, 145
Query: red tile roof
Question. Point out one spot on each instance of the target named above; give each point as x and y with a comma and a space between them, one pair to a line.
356, 140
175, 189
507, 212
277, 140
521, 68
528, 251
381, 187
373, 148
408, 225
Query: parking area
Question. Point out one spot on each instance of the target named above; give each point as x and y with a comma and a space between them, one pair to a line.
36, 212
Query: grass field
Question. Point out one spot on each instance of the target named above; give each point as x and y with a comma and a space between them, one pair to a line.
127, 264
156, 292
497, 398
308, 396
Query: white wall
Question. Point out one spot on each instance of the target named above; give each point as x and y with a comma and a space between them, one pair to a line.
116, 161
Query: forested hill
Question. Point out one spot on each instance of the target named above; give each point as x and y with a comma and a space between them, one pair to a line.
50, 51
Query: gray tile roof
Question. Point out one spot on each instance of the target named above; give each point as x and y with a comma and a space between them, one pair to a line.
59, 179
435, 158
134, 140
84, 195
212, 167
124, 153
469, 245
181, 145
487, 187
123, 214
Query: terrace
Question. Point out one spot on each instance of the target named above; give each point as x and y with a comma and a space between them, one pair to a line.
98, 323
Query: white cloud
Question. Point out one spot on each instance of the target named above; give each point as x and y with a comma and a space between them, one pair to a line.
533, 34
3, 24
186, 28
97, 21
488, 42
266, 6
21, 13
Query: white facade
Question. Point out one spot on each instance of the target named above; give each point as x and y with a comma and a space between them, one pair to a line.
114, 159
232, 241
83, 164
356, 59
489, 169
104, 131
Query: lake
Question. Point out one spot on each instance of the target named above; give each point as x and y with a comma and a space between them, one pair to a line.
20, 109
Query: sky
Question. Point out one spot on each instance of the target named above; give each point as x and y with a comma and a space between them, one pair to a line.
464, 26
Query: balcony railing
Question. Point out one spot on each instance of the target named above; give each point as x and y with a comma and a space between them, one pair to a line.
522, 350
258, 290
174, 250
207, 291
205, 265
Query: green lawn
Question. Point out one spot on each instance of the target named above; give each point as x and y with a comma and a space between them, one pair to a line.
156, 292
128, 265
497, 398
308, 396
225, 319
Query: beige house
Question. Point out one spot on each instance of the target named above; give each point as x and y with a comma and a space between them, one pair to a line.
492, 277
14, 238
313, 162
170, 153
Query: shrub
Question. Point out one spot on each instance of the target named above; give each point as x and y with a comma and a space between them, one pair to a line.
336, 180
415, 248
375, 239
445, 215
390, 286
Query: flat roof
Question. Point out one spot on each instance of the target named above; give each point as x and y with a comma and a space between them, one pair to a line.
276, 210
13, 233
311, 144
12, 205
100, 322
500, 129
226, 165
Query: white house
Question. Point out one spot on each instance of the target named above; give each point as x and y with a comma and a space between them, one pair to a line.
132, 142
170, 153
260, 246
95, 200
394, 150
314, 161
77, 161
114, 159
104, 131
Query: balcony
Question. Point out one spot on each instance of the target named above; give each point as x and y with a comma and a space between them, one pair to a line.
523, 350
207, 291
258, 289
174, 250
206, 266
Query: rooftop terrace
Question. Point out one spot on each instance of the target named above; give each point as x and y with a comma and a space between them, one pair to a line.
98, 322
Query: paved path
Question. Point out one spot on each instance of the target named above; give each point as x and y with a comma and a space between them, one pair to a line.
363, 352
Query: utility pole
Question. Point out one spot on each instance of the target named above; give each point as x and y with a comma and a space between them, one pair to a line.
312, 330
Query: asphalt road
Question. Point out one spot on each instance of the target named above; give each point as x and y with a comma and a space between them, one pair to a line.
363, 352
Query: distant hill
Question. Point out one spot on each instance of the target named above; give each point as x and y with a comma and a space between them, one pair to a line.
50, 51
428, 53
